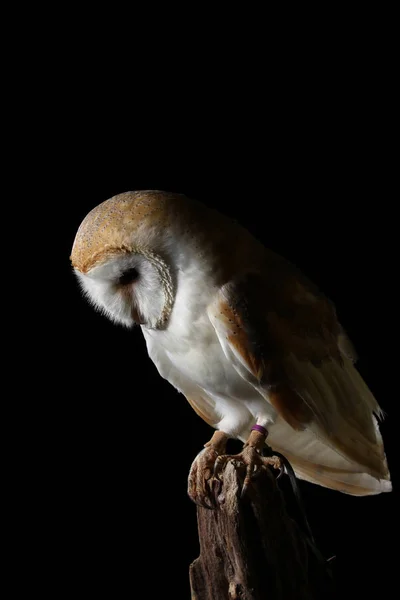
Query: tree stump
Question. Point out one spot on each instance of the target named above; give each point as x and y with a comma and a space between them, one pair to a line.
250, 549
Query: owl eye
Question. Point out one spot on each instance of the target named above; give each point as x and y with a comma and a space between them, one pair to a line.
128, 276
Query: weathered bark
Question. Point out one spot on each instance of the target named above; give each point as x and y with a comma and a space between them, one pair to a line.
251, 549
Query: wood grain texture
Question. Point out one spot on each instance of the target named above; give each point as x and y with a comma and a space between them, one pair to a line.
252, 550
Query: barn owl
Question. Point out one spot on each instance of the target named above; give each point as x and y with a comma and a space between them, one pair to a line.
251, 343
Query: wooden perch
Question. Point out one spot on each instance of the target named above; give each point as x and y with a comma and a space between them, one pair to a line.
251, 549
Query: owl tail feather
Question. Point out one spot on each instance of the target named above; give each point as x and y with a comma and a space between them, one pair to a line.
316, 462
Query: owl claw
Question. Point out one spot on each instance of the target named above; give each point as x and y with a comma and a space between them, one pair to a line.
220, 463
244, 490
201, 486
204, 483
251, 458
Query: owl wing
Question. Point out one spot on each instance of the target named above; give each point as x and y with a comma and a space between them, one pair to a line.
202, 405
282, 335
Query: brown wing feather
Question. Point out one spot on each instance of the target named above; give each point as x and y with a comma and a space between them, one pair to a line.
284, 337
202, 408
251, 347
269, 318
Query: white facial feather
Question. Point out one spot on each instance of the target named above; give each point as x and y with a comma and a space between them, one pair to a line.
101, 287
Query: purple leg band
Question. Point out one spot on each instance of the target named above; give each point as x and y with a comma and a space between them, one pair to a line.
260, 428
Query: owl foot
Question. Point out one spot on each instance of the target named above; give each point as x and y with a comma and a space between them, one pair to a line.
251, 457
203, 487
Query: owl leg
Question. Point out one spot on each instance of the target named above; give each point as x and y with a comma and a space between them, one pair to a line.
250, 456
201, 479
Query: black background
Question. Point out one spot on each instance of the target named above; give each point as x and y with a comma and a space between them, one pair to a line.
309, 168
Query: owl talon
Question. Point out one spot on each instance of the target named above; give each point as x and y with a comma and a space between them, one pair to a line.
204, 482
201, 481
253, 462
251, 458
219, 464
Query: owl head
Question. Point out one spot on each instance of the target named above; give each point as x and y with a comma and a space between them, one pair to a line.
124, 258
149, 257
